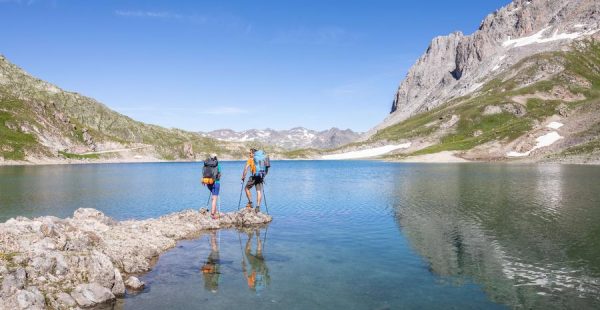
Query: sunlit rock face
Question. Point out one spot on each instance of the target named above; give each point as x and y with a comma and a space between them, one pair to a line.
82, 261
457, 64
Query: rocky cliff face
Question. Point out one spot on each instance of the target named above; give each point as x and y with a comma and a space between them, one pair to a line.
458, 65
294, 138
525, 86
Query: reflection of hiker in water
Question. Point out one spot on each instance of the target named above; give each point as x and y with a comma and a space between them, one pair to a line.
258, 278
210, 269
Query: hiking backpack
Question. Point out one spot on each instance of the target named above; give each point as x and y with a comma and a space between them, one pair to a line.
262, 163
210, 172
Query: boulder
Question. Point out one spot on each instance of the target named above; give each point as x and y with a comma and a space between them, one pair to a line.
118, 288
101, 270
93, 215
516, 109
491, 110
31, 299
134, 283
563, 110
64, 301
87, 254
91, 294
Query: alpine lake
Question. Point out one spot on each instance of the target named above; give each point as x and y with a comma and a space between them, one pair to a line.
351, 234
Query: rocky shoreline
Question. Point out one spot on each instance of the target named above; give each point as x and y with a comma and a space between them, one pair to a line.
89, 259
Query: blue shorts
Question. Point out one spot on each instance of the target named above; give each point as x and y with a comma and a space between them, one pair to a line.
214, 188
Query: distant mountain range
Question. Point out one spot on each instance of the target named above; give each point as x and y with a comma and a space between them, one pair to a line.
294, 138
40, 123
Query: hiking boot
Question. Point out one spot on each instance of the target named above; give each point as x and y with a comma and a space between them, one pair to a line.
257, 209
249, 205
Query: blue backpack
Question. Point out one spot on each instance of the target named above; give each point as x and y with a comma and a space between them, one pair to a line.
262, 163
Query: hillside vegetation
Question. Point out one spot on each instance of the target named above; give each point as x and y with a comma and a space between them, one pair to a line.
565, 83
39, 120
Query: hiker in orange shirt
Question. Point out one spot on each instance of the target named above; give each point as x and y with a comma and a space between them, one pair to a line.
259, 277
255, 180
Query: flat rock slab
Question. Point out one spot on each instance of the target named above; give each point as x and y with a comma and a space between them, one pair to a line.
81, 261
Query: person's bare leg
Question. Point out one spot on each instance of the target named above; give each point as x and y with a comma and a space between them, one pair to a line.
249, 244
248, 194
258, 244
213, 241
213, 209
258, 197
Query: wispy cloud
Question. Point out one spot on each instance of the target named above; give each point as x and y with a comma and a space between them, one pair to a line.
163, 15
211, 111
26, 2
224, 21
319, 36
148, 14
364, 86
226, 111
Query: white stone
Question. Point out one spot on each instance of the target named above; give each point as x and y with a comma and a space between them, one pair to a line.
492, 109
134, 283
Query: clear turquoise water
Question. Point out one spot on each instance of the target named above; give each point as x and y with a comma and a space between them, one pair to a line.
353, 234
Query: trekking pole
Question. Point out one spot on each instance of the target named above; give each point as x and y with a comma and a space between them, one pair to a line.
219, 208
265, 197
242, 252
209, 196
241, 190
265, 239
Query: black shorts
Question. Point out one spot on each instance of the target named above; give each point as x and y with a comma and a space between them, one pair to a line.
255, 180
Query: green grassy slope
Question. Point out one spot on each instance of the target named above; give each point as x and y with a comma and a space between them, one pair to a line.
29, 108
583, 63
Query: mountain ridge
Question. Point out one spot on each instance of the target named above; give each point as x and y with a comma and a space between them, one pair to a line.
40, 121
524, 87
457, 64
294, 138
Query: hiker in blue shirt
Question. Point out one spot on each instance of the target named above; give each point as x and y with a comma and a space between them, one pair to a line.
211, 178
210, 269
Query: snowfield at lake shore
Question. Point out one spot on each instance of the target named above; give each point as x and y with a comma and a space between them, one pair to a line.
373, 152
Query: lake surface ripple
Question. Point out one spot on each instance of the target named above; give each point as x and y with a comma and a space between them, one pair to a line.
352, 234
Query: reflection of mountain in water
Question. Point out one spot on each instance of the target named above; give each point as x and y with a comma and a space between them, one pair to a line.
528, 234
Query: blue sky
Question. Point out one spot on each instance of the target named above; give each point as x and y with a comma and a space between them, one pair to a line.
204, 65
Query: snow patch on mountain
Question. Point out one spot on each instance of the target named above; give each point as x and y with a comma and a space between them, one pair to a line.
542, 141
372, 152
538, 38
294, 138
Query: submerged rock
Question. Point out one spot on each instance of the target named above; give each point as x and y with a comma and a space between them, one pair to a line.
82, 261
134, 283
